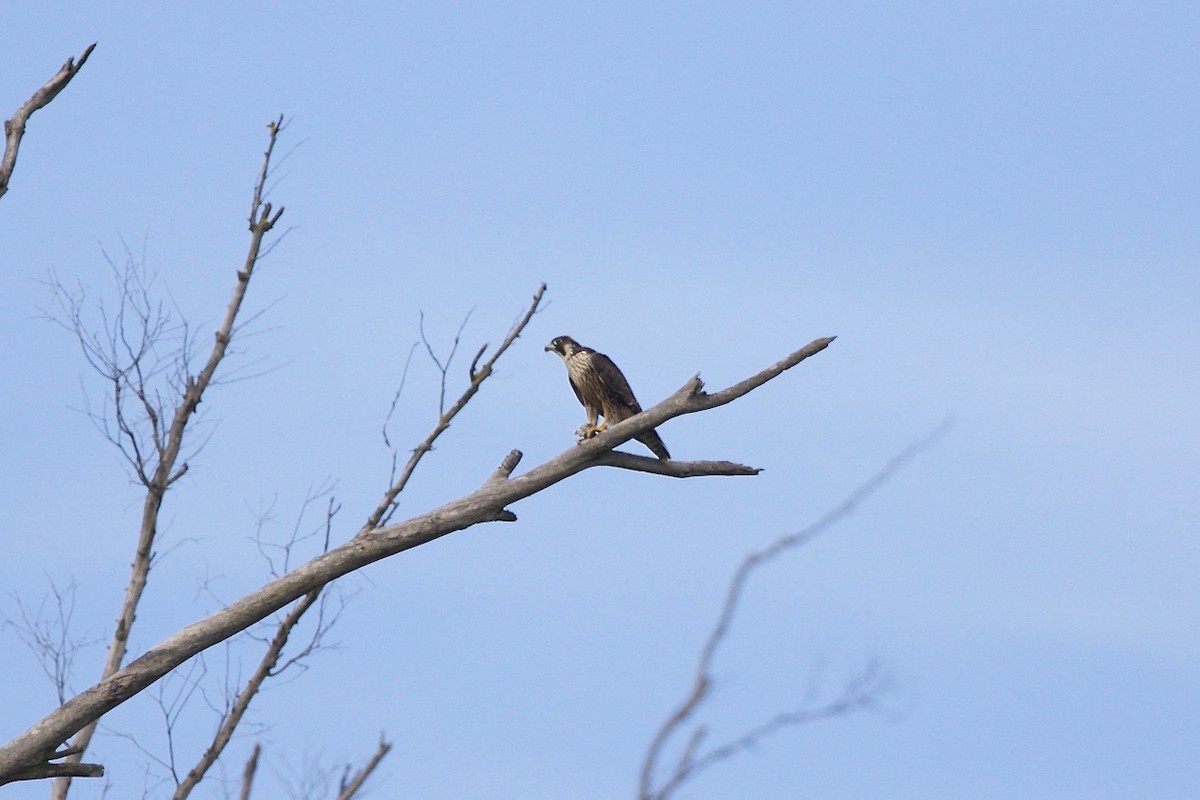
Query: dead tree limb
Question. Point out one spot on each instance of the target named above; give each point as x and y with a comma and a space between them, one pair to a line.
248, 772
161, 468
477, 375
488, 503
350, 787
242, 702
673, 469
859, 693
14, 127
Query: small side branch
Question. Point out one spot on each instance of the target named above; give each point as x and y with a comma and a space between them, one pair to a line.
67, 770
690, 399
673, 469
14, 127
349, 788
249, 771
754, 381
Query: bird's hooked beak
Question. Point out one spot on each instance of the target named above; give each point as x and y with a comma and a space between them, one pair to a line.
548, 348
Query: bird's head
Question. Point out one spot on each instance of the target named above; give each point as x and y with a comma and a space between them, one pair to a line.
564, 346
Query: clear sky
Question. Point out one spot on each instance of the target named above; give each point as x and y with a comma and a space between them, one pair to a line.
993, 206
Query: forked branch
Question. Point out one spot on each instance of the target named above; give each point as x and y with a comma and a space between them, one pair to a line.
160, 469
352, 783
858, 693
477, 374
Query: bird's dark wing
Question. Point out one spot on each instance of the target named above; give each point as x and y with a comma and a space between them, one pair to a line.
614, 381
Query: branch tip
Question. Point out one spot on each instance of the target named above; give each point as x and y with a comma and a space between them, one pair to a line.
510, 462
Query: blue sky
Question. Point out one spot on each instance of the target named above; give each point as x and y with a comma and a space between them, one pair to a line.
993, 208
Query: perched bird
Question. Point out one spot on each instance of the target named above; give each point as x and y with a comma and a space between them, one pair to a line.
602, 390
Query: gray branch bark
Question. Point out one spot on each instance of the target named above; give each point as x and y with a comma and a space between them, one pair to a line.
350, 788
248, 772
167, 449
488, 503
241, 703
14, 127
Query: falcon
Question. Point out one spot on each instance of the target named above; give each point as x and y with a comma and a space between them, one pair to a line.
602, 390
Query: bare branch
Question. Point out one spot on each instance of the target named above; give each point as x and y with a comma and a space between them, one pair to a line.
229, 724
248, 772
14, 127
445, 368
387, 506
858, 694
489, 502
167, 444
73, 769
270, 663
48, 636
350, 788
673, 469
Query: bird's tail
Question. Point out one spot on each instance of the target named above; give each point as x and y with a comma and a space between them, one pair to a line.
652, 440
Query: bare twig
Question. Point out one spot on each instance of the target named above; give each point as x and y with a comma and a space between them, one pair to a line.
859, 693
444, 368
349, 788
160, 470
71, 769
488, 503
14, 127
48, 635
387, 441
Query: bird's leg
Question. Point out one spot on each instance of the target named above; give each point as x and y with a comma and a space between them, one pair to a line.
588, 429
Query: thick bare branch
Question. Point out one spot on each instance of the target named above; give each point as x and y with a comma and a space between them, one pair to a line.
168, 447
14, 127
487, 503
859, 693
71, 769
